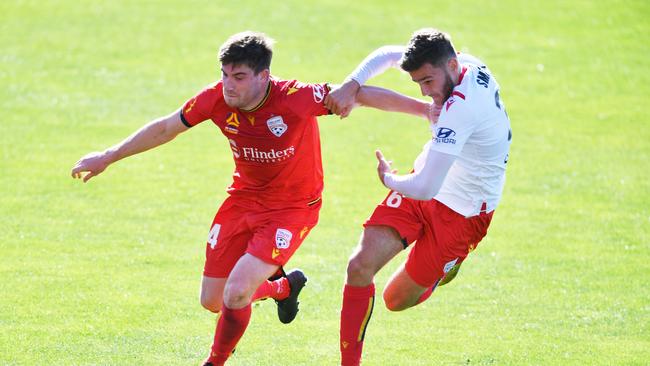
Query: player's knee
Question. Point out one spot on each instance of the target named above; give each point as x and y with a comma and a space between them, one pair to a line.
359, 271
394, 303
235, 296
213, 305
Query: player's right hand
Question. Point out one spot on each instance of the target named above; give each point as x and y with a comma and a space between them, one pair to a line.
340, 101
383, 166
93, 163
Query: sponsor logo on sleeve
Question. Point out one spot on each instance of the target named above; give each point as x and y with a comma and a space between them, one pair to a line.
276, 125
190, 105
283, 238
445, 136
319, 93
303, 232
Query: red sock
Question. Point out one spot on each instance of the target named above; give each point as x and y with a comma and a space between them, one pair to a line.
278, 290
230, 328
355, 315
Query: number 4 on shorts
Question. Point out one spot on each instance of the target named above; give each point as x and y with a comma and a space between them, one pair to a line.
212, 237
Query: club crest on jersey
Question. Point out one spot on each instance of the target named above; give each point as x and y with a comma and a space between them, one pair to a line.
283, 238
319, 92
276, 125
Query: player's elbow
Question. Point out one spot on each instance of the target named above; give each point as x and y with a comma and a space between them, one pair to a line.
166, 130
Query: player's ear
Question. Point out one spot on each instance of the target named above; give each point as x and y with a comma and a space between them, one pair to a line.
453, 64
265, 74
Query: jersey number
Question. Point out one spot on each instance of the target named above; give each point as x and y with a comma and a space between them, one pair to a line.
212, 237
394, 200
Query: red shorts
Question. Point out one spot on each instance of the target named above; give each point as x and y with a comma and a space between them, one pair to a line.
243, 226
443, 237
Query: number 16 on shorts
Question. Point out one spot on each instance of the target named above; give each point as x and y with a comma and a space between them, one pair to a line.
394, 200
212, 237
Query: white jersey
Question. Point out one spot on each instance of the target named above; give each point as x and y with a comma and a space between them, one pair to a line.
474, 127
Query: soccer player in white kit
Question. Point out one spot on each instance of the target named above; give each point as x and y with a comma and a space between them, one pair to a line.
446, 204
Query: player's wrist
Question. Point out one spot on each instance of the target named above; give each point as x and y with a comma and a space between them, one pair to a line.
352, 84
385, 178
110, 155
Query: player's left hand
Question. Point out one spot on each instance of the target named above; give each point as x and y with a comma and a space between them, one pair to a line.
383, 166
91, 164
434, 112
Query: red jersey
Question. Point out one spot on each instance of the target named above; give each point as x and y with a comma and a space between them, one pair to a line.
276, 145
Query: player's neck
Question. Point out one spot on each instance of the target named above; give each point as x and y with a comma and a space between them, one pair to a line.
259, 99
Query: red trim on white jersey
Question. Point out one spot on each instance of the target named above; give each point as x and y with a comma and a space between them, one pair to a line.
462, 75
456, 92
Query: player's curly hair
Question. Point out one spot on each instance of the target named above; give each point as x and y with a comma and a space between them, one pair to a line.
252, 49
427, 45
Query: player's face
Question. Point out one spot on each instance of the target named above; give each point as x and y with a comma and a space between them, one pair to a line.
242, 88
435, 82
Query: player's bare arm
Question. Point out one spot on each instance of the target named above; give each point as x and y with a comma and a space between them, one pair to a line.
388, 100
153, 134
342, 100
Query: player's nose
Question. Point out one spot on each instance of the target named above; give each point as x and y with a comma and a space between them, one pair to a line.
425, 91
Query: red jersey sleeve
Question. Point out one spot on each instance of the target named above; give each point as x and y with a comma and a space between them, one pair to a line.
199, 107
306, 99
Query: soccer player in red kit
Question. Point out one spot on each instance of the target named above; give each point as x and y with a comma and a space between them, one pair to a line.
275, 197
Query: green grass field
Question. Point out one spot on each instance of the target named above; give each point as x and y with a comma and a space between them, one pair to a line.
108, 273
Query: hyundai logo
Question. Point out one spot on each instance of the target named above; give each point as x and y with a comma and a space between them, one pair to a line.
444, 132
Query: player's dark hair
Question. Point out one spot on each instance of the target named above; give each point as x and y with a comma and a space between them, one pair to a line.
252, 49
427, 45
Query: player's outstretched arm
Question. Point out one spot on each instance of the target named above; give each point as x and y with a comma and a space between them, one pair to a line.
153, 134
388, 100
341, 100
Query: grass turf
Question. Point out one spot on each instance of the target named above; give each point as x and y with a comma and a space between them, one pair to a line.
108, 273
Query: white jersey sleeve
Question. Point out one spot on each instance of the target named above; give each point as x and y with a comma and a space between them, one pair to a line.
377, 63
425, 182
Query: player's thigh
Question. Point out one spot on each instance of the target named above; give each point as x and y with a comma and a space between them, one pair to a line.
247, 275
212, 293
227, 240
377, 246
401, 291
279, 233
